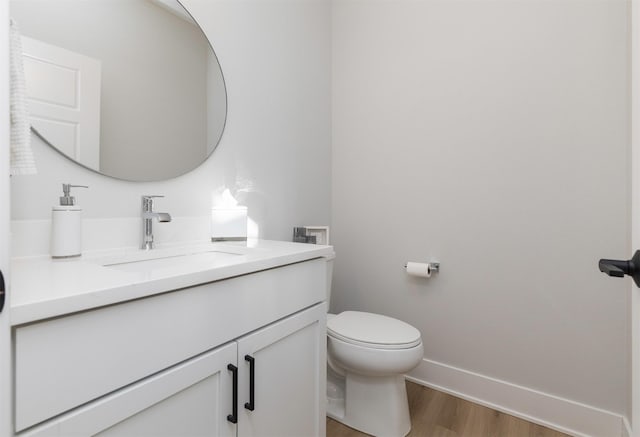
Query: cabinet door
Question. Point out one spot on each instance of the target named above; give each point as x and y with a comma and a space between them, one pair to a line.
289, 364
192, 399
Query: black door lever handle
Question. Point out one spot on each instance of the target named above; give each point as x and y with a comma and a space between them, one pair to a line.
606, 266
619, 268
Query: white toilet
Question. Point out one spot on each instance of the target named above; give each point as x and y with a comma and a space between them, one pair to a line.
367, 356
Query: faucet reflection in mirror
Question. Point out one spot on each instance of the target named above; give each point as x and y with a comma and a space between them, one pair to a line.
147, 221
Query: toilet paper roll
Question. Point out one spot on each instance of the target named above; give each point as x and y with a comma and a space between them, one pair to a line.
419, 269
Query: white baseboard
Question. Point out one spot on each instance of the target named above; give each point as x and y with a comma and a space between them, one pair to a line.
542, 408
626, 428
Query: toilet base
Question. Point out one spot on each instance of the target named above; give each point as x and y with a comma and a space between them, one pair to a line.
376, 405
335, 395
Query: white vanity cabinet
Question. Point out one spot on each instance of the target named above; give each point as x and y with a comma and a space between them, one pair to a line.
289, 363
164, 365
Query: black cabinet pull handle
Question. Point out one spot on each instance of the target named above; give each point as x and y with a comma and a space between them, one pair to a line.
619, 268
252, 379
233, 418
2, 292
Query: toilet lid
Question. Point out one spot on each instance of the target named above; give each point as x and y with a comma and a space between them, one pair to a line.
373, 330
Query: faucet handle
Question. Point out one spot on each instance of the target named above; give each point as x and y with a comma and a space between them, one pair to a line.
150, 196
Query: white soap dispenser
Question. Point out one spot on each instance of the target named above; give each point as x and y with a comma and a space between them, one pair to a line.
66, 225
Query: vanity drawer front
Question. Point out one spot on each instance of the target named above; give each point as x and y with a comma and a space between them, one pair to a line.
65, 362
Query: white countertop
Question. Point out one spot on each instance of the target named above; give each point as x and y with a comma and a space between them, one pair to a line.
42, 287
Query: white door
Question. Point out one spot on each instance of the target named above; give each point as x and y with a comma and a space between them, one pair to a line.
288, 359
63, 94
6, 424
634, 295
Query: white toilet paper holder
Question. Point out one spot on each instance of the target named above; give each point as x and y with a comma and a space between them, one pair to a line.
433, 266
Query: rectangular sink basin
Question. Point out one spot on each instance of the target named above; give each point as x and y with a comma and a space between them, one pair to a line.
176, 264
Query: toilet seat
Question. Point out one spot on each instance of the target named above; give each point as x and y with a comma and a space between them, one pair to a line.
372, 330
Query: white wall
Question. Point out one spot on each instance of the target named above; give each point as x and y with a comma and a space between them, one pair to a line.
491, 135
274, 155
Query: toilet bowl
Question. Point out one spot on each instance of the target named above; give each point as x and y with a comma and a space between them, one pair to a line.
367, 356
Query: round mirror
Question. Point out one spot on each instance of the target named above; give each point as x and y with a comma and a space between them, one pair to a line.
129, 88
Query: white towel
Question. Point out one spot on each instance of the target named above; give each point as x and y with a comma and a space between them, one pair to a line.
22, 161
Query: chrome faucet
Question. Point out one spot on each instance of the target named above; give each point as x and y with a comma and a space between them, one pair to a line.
147, 221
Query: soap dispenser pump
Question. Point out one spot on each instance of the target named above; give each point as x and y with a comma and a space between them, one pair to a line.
66, 225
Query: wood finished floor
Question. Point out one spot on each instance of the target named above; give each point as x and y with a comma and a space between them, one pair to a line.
437, 414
